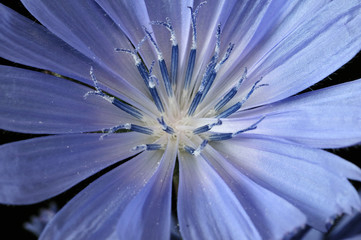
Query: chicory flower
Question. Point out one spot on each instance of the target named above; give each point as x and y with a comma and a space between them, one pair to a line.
203, 92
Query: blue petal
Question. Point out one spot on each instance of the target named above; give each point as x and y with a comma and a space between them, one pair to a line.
298, 49
36, 169
261, 205
86, 27
34, 102
309, 52
28, 43
95, 211
148, 215
131, 16
296, 174
207, 208
326, 118
179, 15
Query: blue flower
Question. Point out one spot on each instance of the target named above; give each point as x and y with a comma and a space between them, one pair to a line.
198, 98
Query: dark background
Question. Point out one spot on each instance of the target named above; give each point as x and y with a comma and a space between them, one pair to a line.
12, 218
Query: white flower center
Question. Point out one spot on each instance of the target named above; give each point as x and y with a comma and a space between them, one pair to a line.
179, 115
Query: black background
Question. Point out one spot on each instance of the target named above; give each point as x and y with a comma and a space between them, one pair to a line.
13, 217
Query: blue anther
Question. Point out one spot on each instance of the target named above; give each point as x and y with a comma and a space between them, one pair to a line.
129, 126
207, 127
215, 69
174, 64
141, 129
127, 108
202, 129
199, 149
231, 93
162, 65
116, 102
142, 69
190, 68
189, 149
210, 73
195, 103
153, 91
167, 84
226, 136
156, 99
143, 72
209, 83
220, 136
152, 80
174, 57
165, 127
234, 108
154, 146
209, 70
193, 51
148, 147
206, 83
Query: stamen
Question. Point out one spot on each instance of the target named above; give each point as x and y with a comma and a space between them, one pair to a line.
174, 64
234, 108
196, 152
153, 91
216, 69
226, 136
165, 127
141, 129
208, 78
147, 147
195, 102
207, 74
218, 41
169, 26
127, 126
162, 65
134, 53
193, 51
231, 93
144, 74
194, 21
207, 127
174, 57
153, 80
116, 102
190, 68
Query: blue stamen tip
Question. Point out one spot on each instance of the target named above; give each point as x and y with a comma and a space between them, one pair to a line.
195, 103
147, 147
165, 127
116, 102
196, 152
226, 136
207, 127
190, 68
